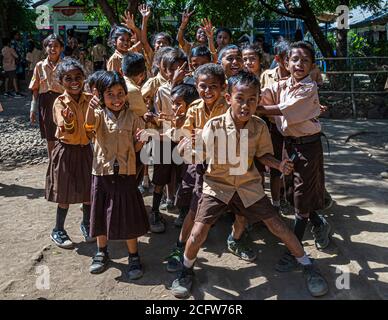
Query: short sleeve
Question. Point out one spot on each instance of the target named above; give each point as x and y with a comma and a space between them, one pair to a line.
264, 142
35, 80
58, 106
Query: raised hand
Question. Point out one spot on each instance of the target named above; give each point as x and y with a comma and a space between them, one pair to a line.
180, 74
186, 18
128, 20
145, 11
207, 27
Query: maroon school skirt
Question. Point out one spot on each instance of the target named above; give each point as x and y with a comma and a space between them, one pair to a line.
186, 187
69, 175
118, 210
46, 120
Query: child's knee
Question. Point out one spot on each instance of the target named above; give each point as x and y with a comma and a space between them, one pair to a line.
198, 235
277, 226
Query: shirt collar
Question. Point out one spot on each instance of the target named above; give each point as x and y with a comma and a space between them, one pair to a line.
68, 98
294, 85
231, 127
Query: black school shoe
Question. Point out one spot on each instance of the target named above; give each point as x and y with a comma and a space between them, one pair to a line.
135, 269
99, 262
181, 287
315, 282
85, 229
61, 239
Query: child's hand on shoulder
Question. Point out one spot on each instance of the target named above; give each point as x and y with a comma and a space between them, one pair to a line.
286, 167
67, 115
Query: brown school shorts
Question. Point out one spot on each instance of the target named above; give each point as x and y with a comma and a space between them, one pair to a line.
211, 208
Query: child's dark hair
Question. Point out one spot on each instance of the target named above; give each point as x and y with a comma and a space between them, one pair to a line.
173, 56
201, 51
302, 45
225, 49
5, 41
98, 40
226, 30
210, 69
158, 58
68, 64
187, 91
281, 47
115, 33
53, 37
133, 64
164, 35
245, 78
93, 78
251, 47
107, 80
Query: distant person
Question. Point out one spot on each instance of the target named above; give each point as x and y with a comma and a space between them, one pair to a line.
99, 55
34, 55
17, 44
9, 66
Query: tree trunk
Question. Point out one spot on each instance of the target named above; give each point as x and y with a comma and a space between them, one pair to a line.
316, 32
108, 11
342, 37
4, 26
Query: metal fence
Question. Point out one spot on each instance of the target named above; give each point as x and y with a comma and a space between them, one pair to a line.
352, 76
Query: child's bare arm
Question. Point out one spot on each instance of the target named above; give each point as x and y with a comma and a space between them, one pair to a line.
209, 30
285, 166
183, 43
34, 105
145, 11
269, 110
90, 120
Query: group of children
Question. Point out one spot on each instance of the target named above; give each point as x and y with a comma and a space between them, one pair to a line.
174, 105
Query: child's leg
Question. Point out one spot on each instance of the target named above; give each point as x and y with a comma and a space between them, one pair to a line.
280, 229
135, 270
132, 246
59, 235
275, 183
157, 224
316, 283
237, 244
238, 227
197, 238
101, 258
62, 210
102, 243
85, 223
15, 84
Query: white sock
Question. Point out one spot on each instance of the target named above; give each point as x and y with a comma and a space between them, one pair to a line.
187, 262
304, 261
276, 203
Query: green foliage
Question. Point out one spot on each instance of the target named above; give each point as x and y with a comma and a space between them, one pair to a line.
17, 15
358, 45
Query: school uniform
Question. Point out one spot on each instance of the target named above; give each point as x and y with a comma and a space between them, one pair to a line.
150, 87
267, 79
240, 191
136, 105
45, 81
299, 124
196, 118
68, 178
98, 55
118, 210
114, 62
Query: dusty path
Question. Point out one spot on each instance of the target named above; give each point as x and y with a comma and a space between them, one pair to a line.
359, 218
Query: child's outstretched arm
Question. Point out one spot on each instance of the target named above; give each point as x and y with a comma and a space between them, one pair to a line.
183, 43
208, 28
145, 11
129, 22
286, 166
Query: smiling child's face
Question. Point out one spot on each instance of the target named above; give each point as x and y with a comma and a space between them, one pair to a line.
115, 97
232, 62
251, 61
123, 43
209, 89
54, 50
299, 63
73, 82
243, 102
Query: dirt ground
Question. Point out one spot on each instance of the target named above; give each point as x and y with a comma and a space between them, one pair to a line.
359, 218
